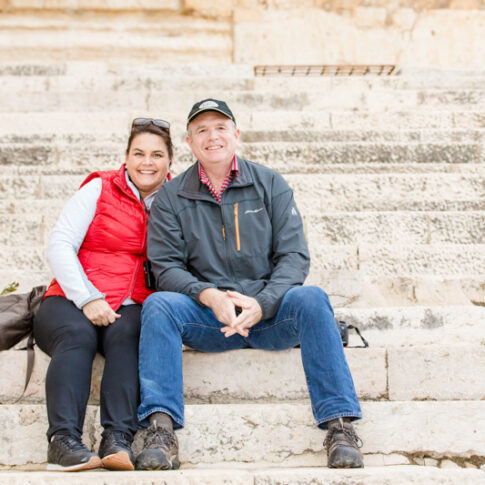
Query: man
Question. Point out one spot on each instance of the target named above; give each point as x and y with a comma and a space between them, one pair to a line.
227, 248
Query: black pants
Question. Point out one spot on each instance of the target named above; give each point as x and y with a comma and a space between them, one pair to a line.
62, 331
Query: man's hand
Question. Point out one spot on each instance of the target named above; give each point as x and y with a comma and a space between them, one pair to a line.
250, 315
100, 313
220, 303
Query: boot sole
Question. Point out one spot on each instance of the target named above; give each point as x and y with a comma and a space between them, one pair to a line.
118, 461
94, 462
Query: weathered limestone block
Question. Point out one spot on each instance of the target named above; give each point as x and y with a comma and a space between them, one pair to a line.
417, 326
312, 36
23, 439
437, 372
112, 5
405, 227
274, 376
31, 258
141, 38
434, 259
105, 477
209, 8
310, 156
275, 433
399, 475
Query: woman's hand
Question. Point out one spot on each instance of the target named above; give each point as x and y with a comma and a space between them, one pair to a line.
100, 313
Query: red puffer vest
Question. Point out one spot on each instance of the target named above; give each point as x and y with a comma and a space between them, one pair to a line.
114, 248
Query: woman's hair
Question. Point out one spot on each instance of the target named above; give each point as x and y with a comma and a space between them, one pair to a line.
155, 130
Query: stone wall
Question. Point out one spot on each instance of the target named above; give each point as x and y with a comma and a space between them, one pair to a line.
445, 33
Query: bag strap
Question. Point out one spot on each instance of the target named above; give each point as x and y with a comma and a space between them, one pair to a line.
30, 364
364, 341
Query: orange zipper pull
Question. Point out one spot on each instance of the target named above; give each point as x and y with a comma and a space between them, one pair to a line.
223, 233
236, 222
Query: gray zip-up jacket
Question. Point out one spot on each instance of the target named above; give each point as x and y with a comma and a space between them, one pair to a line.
252, 243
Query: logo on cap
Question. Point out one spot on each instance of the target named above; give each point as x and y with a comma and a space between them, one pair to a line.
208, 104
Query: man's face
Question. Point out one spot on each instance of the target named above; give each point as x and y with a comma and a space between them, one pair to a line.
212, 137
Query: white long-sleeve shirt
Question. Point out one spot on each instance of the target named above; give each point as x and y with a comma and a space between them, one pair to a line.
68, 235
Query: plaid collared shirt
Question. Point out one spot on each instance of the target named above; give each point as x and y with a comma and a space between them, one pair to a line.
233, 172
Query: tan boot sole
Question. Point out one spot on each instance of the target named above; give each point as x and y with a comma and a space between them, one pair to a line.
94, 462
118, 461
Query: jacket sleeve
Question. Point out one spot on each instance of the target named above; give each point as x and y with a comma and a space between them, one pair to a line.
291, 258
166, 250
66, 239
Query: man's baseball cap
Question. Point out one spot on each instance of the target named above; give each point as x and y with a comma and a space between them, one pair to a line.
210, 104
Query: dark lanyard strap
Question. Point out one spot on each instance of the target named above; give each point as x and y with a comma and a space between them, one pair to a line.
364, 341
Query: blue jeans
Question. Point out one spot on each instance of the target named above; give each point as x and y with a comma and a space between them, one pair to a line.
304, 317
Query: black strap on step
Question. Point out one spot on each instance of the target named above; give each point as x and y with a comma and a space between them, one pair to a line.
364, 341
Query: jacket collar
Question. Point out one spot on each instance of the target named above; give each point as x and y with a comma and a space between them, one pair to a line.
192, 188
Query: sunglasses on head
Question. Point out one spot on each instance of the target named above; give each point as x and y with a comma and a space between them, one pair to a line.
165, 125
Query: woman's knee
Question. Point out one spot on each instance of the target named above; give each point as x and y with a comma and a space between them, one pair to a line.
60, 326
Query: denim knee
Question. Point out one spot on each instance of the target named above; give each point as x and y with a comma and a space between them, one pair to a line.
163, 306
309, 296
310, 302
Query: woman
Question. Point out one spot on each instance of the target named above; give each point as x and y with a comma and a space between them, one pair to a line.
97, 253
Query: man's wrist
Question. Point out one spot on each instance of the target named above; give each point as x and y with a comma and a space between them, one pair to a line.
207, 294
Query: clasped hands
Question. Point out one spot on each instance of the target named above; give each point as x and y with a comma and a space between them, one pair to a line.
224, 303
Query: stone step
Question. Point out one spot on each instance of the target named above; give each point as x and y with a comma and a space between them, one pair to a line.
397, 474
316, 194
209, 74
111, 6
286, 157
343, 228
159, 37
259, 125
418, 373
347, 288
38, 93
19, 135
309, 156
406, 78
339, 119
52, 128
399, 259
373, 260
276, 433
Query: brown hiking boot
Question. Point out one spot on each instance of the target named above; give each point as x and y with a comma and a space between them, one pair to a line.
343, 445
160, 451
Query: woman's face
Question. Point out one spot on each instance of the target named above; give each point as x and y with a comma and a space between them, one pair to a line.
147, 162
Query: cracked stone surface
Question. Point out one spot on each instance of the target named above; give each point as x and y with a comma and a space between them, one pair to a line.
274, 433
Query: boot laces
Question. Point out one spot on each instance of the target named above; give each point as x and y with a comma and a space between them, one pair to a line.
161, 438
119, 438
348, 437
71, 443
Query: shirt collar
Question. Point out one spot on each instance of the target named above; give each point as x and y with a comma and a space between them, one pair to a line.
234, 170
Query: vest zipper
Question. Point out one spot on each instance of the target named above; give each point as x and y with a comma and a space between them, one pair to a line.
236, 223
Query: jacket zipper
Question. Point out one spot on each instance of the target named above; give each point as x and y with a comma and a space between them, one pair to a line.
137, 267
236, 223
